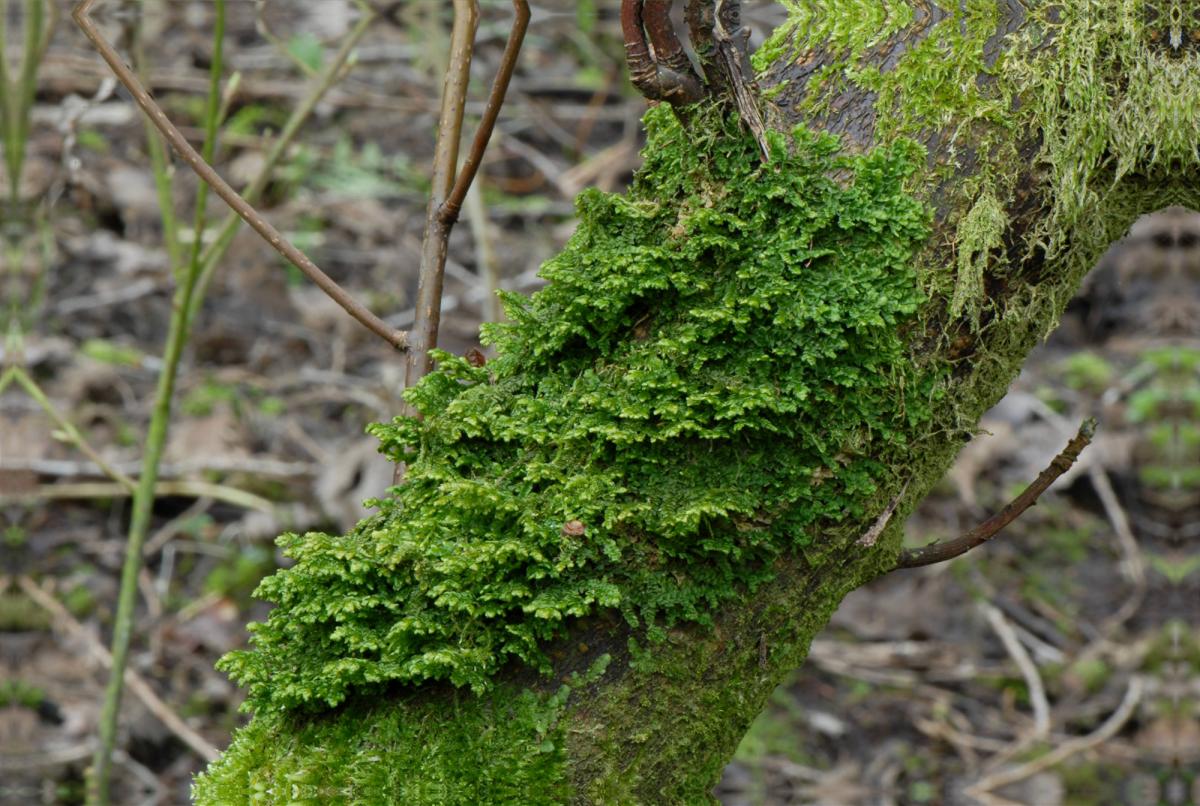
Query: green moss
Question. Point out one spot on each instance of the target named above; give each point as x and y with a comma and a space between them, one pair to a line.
506, 747
715, 366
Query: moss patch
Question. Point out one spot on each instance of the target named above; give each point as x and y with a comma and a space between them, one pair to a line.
715, 367
504, 747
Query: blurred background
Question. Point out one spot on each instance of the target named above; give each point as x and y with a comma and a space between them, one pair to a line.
1059, 665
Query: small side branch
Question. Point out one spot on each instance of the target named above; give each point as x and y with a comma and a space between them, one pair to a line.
940, 552
676, 77
245, 211
662, 71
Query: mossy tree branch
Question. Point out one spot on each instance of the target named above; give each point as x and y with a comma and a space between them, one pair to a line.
734, 370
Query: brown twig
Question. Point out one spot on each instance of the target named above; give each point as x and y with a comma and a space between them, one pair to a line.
448, 190
487, 123
668, 51
1133, 566
642, 69
245, 211
445, 161
667, 75
940, 552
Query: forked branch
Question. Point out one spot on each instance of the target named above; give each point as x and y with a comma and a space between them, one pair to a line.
661, 70
436, 241
487, 123
244, 210
940, 552
667, 74
450, 189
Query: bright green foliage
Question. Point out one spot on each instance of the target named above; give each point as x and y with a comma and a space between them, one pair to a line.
715, 366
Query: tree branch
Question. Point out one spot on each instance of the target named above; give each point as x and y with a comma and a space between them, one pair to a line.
940, 552
445, 163
396, 338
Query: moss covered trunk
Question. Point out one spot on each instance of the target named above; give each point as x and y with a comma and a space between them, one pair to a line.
618, 537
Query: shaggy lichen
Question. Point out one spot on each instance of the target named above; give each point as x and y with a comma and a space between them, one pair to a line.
979, 233
715, 366
1107, 91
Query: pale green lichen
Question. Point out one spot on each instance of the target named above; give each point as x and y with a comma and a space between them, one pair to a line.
979, 233
1111, 89
853, 26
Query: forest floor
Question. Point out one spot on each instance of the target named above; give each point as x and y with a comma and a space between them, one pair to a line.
1075, 631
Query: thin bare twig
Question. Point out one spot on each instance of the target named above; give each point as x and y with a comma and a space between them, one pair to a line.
508, 63
69, 429
940, 552
23, 762
319, 90
445, 162
104, 489
1033, 680
448, 191
1132, 565
486, 261
245, 211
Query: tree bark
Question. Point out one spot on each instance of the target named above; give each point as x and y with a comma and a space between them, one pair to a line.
1031, 171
